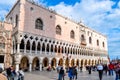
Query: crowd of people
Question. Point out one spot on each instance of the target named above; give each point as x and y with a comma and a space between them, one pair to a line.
106, 69
72, 73
10, 74
110, 69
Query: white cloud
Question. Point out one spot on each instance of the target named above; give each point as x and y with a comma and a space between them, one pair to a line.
7, 2
97, 14
119, 4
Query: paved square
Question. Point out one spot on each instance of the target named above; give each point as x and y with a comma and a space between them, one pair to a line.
44, 75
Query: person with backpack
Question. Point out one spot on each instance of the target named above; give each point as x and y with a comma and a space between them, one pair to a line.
9, 74
20, 74
70, 73
74, 73
61, 74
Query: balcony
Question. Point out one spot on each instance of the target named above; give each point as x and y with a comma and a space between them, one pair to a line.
83, 43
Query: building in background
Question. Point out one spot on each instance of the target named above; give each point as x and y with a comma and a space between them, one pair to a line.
5, 44
41, 38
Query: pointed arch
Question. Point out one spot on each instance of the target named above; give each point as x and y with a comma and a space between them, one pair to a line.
72, 34
58, 30
38, 46
22, 44
33, 45
35, 63
43, 47
45, 62
24, 63
47, 47
51, 48
53, 62
58, 49
28, 45
39, 24
60, 62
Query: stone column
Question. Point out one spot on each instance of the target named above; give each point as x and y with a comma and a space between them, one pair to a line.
49, 51
14, 51
57, 61
18, 47
40, 65
36, 49
25, 48
50, 61
30, 48
41, 49
64, 64
30, 67
79, 65
17, 67
69, 62
75, 62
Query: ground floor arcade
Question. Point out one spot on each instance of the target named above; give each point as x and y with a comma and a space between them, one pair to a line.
30, 63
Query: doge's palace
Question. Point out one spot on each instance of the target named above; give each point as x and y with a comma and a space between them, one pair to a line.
41, 37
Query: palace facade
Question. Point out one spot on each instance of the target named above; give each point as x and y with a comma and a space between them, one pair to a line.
41, 38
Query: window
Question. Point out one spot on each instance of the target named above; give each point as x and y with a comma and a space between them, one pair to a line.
82, 38
72, 34
1, 59
58, 30
39, 24
90, 40
2, 45
16, 21
103, 44
97, 42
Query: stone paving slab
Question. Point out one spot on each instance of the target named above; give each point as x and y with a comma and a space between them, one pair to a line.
44, 75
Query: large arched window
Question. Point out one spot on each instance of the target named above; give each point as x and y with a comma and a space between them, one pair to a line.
90, 40
39, 24
72, 34
82, 38
58, 30
97, 42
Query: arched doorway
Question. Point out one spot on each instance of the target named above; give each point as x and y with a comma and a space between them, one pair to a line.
24, 64
61, 62
95, 62
77, 62
85, 62
92, 62
67, 63
89, 62
53, 63
72, 62
45, 62
81, 62
35, 64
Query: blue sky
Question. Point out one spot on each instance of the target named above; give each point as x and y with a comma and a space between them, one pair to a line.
100, 15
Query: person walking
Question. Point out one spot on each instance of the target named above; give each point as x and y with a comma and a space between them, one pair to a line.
74, 73
100, 70
20, 74
89, 69
81, 68
2, 77
117, 71
61, 74
111, 68
70, 74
